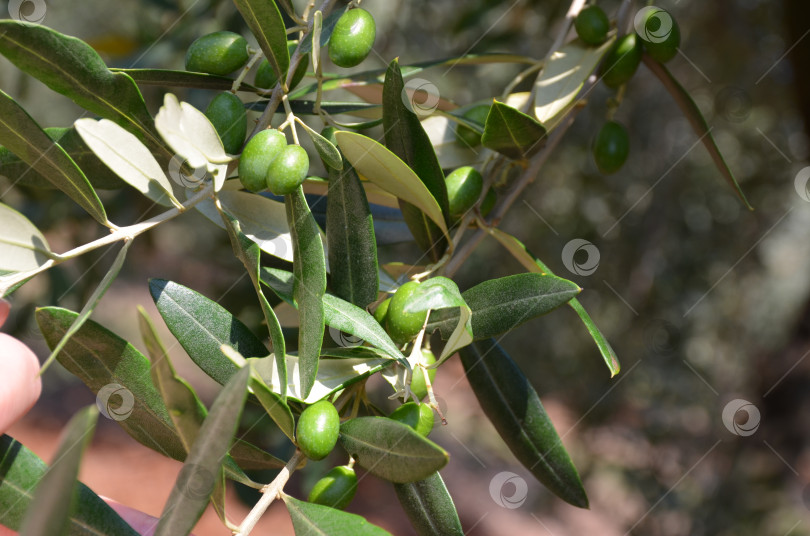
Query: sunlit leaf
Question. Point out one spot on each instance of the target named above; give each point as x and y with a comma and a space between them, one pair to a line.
264, 20
512, 133
167, 77
315, 520
22, 246
428, 505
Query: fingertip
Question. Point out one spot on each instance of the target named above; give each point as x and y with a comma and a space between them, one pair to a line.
21, 385
5, 307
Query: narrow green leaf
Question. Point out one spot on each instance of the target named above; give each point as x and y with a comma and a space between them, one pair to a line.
696, 119
202, 326
512, 133
275, 406
317, 520
56, 492
21, 471
562, 78
71, 67
385, 169
327, 27
280, 281
353, 320
197, 479
248, 252
22, 246
328, 152
513, 407
167, 77
499, 305
390, 449
309, 267
533, 264
351, 240
22, 135
429, 506
264, 20
99, 175
92, 302
406, 138
128, 158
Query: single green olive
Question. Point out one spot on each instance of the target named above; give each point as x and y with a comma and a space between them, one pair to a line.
592, 25
660, 34
318, 429
352, 38
266, 77
464, 186
403, 326
418, 416
336, 489
611, 147
418, 385
621, 62
257, 156
489, 202
288, 171
467, 137
217, 53
381, 312
227, 113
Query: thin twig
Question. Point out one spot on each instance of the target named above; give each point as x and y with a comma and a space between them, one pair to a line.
269, 494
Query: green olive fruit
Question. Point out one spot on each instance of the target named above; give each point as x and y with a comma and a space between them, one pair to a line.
611, 147
403, 326
318, 429
259, 152
592, 25
660, 34
227, 113
489, 202
329, 134
418, 416
467, 137
217, 53
336, 489
622, 61
288, 171
352, 38
464, 186
266, 77
381, 312
418, 385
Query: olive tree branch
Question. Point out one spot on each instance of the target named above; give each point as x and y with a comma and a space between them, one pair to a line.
269, 494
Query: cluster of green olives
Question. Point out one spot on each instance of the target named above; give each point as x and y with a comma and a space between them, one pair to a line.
267, 162
658, 33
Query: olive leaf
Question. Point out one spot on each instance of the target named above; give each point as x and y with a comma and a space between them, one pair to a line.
390, 449
22, 471
533, 264
22, 246
441, 129
23, 136
513, 407
512, 133
316, 520
265, 22
55, 493
429, 506
328, 152
168, 77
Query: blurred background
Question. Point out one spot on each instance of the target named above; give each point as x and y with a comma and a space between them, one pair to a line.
706, 304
